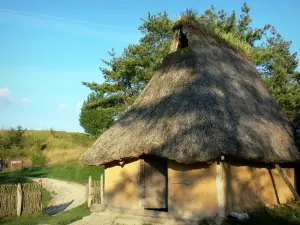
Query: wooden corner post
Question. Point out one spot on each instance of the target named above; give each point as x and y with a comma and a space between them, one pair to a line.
220, 182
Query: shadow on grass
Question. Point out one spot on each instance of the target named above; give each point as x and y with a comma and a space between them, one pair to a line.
54, 209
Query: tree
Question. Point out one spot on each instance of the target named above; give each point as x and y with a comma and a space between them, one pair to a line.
127, 75
95, 120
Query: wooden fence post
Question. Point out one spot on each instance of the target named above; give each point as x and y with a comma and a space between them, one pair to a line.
101, 188
90, 191
19, 199
41, 200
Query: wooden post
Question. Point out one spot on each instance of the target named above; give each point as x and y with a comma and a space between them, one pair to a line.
19, 199
90, 191
41, 199
284, 177
220, 182
101, 188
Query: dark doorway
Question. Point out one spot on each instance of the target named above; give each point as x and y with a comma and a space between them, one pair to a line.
297, 178
154, 177
183, 41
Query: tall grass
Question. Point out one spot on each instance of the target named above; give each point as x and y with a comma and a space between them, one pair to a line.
61, 156
234, 40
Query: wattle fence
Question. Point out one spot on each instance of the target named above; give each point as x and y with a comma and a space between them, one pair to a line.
20, 199
95, 192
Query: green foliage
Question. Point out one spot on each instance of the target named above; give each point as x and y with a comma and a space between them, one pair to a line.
127, 75
38, 159
96, 119
12, 142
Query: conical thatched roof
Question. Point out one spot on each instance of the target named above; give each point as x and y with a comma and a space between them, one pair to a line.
205, 101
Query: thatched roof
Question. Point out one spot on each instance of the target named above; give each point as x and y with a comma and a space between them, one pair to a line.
205, 101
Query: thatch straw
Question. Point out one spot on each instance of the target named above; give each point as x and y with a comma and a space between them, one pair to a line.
199, 106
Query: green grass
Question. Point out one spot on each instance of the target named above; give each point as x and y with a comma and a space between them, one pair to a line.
75, 172
62, 218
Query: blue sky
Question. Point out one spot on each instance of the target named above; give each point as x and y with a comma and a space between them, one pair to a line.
47, 48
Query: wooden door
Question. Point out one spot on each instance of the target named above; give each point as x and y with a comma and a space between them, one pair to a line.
154, 182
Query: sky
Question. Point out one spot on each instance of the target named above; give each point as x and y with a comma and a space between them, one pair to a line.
47, 48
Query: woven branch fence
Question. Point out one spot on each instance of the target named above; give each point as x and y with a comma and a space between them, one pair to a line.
20, 199
96, 187
95, 191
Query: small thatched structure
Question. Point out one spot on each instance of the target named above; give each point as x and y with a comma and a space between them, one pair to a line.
207, 103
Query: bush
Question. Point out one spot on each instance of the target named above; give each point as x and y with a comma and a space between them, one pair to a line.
11, 142
38, 159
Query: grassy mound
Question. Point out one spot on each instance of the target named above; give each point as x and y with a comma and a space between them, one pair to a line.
43, 147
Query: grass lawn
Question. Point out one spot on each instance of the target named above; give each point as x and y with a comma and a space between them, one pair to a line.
75, 172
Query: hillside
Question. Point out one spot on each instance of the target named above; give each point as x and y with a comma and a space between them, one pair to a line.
44, 146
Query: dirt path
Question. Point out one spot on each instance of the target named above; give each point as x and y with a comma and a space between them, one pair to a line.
112, 218
65, 195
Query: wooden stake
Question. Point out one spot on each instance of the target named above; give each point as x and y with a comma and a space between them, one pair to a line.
220, 182
284, 177
90, 191
19, 199
41, 200
101, 188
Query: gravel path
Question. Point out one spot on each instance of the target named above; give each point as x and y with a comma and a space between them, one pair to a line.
65, 195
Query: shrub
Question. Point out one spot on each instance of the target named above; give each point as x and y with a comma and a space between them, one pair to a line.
53, 133
38, 159
11, 142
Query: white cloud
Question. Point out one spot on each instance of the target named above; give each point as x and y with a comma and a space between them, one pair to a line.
5, 98
4, 92
62, 106
79, 106
24, 100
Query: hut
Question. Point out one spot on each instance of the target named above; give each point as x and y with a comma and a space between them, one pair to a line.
203, 137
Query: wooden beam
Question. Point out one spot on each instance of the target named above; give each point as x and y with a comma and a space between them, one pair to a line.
140, 180
220, 182
284, 177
